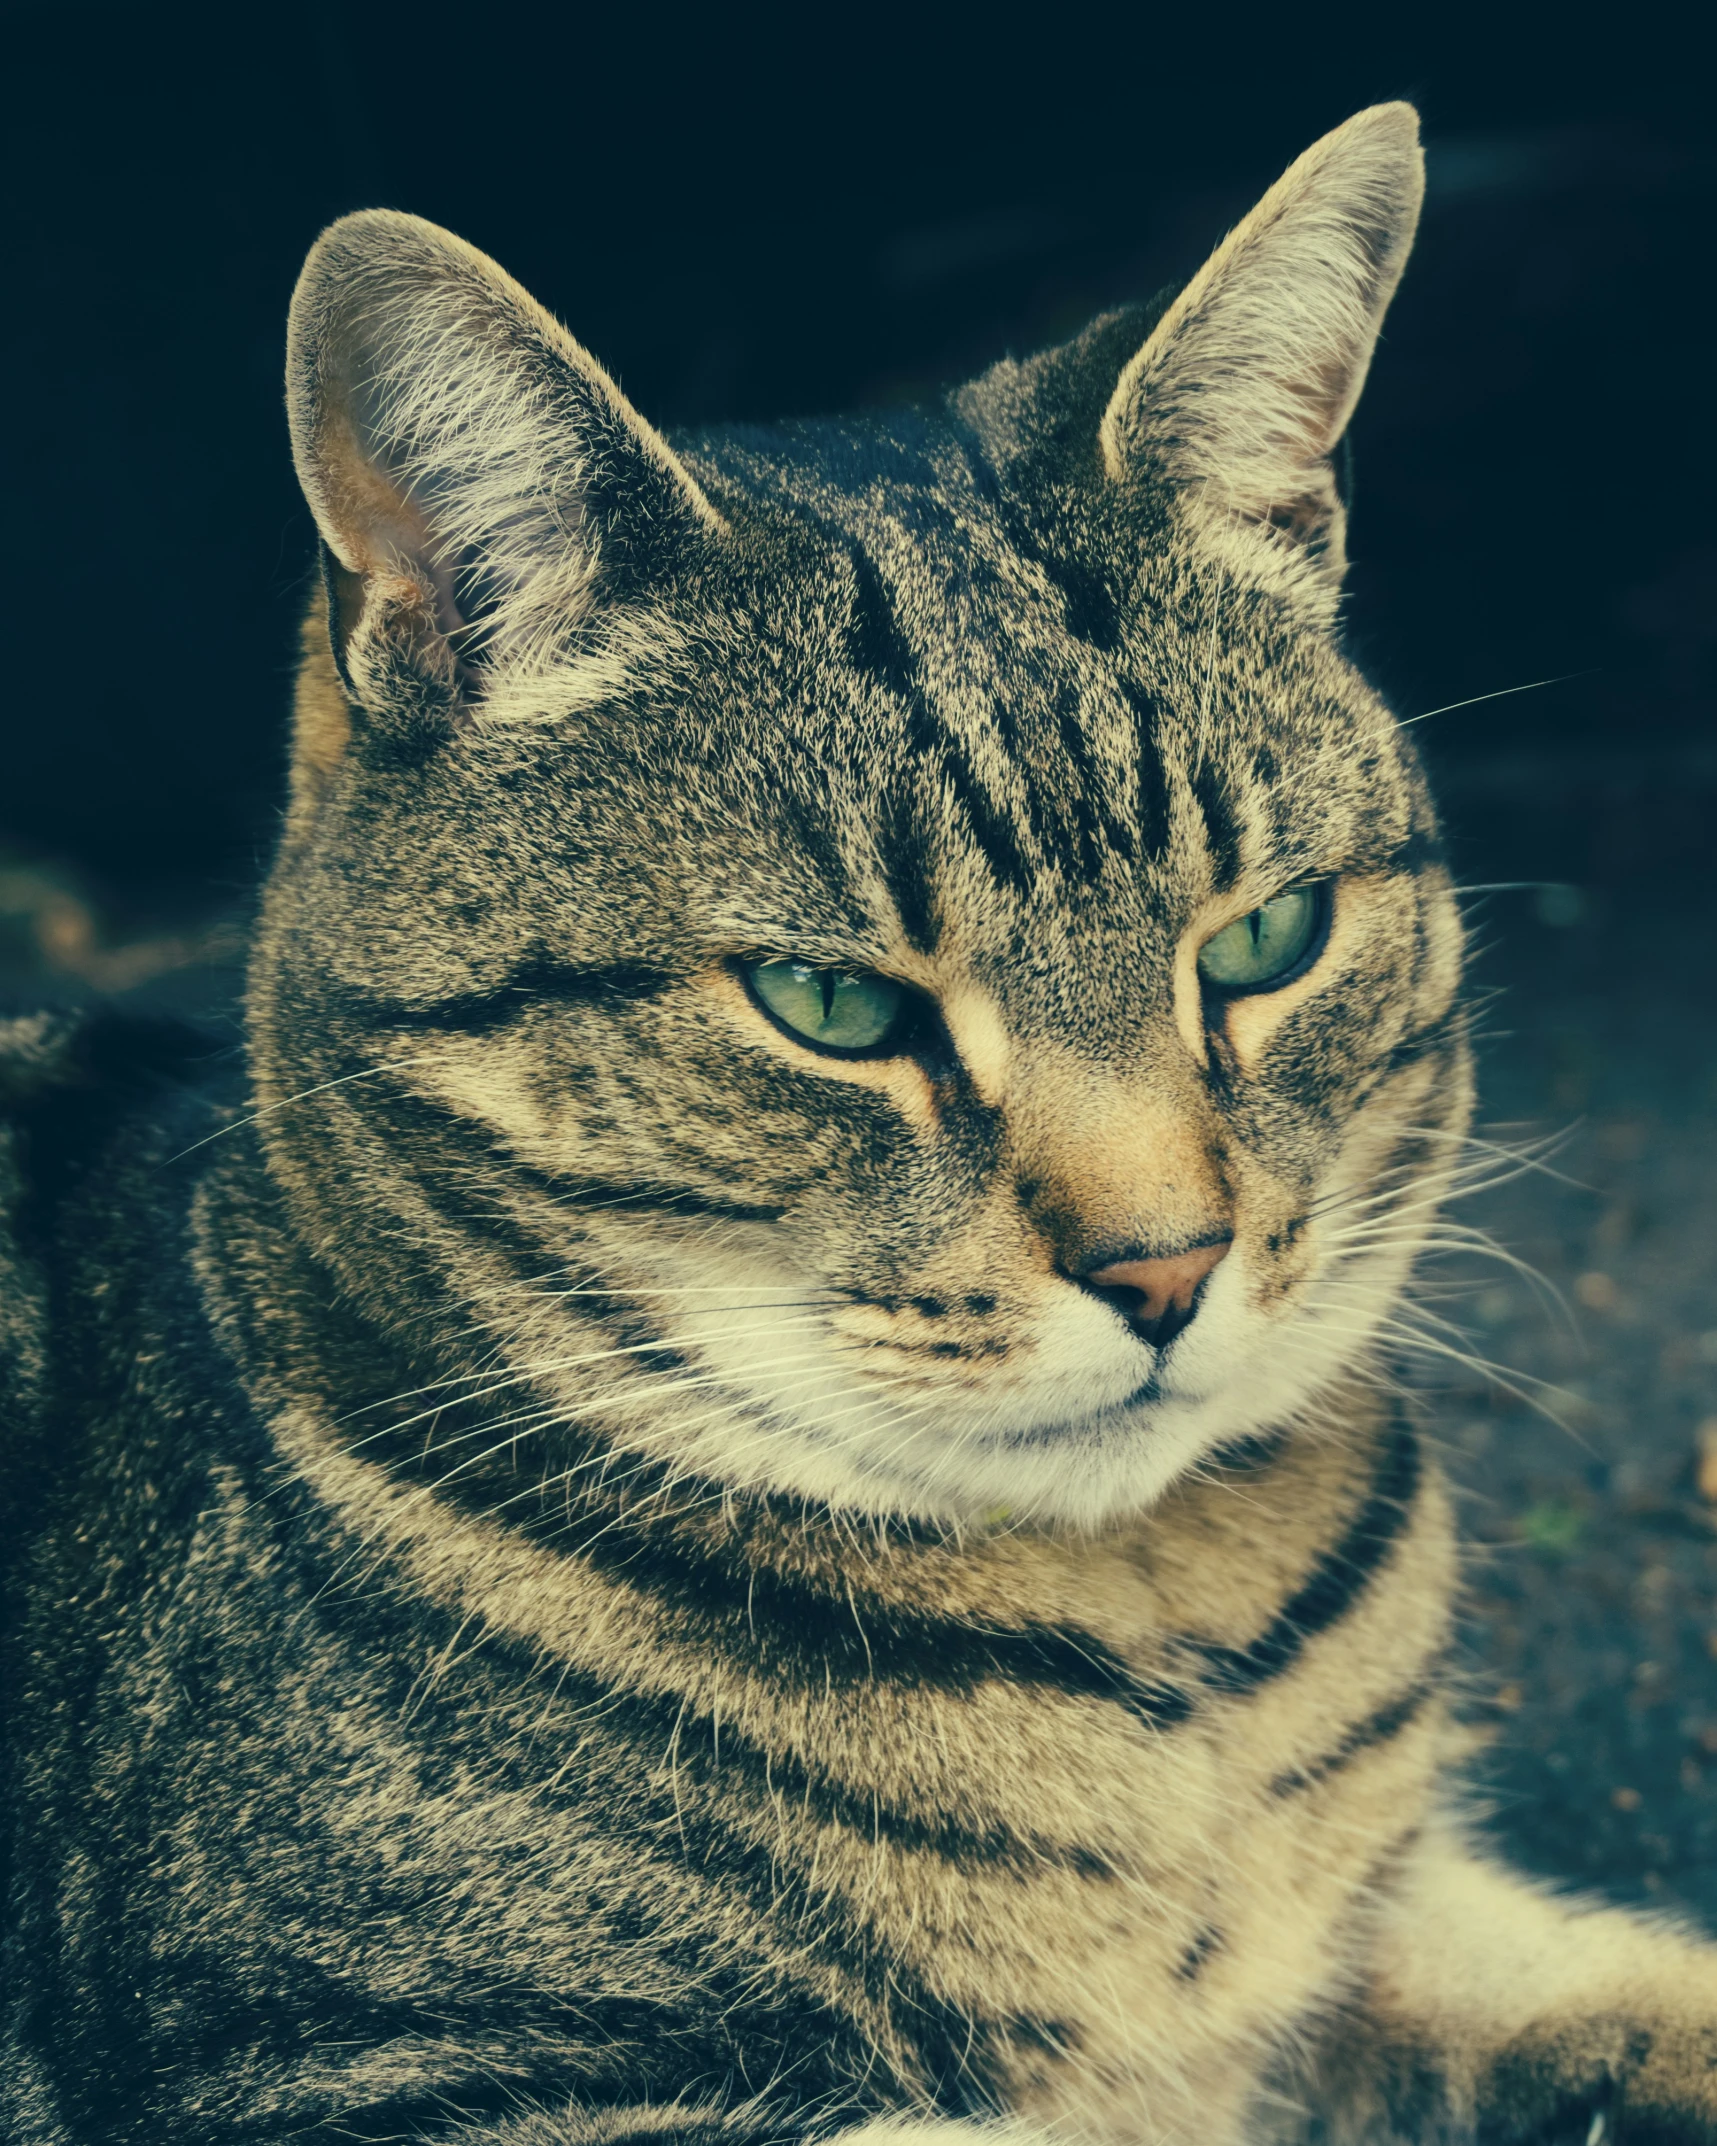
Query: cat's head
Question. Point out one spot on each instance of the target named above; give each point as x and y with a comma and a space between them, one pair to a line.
894, 959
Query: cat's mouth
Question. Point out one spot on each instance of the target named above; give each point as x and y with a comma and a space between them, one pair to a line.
1065, 1369
1050, 1405
937, 1393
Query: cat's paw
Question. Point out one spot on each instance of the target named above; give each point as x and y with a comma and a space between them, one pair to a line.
1657, 2086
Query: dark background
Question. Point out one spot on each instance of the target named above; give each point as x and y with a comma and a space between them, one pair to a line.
748, 217
756, 218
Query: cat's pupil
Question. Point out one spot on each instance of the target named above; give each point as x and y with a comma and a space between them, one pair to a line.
847, 1015
1260, 948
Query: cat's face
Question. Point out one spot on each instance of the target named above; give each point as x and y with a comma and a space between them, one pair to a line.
894, 962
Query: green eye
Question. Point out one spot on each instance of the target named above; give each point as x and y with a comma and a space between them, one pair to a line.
1261, 947
824, 1007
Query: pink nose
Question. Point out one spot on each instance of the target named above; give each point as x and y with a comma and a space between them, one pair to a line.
1158, 1297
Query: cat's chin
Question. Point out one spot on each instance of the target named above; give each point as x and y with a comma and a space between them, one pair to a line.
1041, 1459
1086, 1470
1090, 1426
1084, 1474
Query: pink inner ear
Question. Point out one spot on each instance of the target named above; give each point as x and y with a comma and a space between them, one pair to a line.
451, 436
388, 528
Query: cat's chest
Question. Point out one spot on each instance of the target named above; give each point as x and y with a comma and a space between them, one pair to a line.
1158, 1851
1105, 1955
1072, 1824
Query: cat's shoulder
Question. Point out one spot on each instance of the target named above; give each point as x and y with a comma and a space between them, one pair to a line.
40, 1067
73, 1072
37, 1054
73, 1082
90, 1100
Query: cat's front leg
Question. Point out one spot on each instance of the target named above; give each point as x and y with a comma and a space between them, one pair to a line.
1494, 2011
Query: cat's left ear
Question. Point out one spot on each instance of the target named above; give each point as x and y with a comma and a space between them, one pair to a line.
488, 498
1245, 386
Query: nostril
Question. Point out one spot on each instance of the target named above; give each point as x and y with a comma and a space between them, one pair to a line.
1159, 1330
1130, 1305
1159, 1297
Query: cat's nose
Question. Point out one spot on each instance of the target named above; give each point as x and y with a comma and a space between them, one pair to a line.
1158, 1298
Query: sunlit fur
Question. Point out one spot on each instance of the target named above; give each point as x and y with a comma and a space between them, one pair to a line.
591, 1574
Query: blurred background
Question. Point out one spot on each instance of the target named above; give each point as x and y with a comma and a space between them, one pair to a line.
748, 215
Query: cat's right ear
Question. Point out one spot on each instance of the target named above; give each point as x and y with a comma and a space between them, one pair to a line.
489, 501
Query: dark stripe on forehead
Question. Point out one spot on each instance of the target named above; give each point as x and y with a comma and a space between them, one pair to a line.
1088, 602
809, 826
875, 641
998, 841
1338, 1578
1153, 801
1221, 829
903, 853
878, 648
1091, 613
1089, 609
1098, 828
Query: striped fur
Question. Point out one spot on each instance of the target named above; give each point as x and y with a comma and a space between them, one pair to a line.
584, 1573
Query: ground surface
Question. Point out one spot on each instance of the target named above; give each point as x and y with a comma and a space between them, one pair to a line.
1591, 1633
1593, 1602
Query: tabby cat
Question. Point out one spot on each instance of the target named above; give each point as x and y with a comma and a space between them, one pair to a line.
744, 1486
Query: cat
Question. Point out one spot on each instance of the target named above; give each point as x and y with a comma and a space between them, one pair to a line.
744, 1484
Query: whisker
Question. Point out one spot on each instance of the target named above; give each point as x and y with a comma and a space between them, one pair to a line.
304, 1094
1520, 1160
540, 1366
1416, 1342
602, 1462
1502, 693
